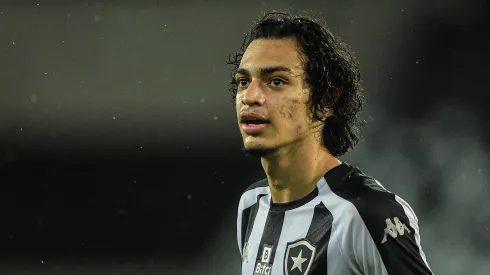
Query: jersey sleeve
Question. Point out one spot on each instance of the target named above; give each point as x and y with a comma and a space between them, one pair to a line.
387, 240
246, 211
239, 225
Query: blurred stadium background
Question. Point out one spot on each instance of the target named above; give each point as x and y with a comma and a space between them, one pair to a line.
119, 151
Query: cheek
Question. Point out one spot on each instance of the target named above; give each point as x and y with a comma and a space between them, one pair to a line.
290, 108
286, 111
293, 113
238, 104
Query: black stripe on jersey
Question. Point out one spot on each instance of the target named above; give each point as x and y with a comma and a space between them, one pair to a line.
375, 205
271, 234
248, 219
285, 206
319, 235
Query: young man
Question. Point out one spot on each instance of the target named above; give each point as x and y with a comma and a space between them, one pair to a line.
297, 96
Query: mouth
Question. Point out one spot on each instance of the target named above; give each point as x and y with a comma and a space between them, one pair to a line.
254, 121
254, 126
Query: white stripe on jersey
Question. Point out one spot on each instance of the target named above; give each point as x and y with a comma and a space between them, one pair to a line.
340, 207
256, 235
248, 199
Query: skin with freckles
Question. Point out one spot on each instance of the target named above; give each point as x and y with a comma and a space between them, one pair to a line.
271, 83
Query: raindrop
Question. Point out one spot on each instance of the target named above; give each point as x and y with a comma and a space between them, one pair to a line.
113, 117
13, 43
34, 99
417, 62
203, 99
189, 196
21, 128
97, 18
215, 118
42, 262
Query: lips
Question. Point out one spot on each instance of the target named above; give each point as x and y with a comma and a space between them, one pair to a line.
253, 118
254, 129
253, 123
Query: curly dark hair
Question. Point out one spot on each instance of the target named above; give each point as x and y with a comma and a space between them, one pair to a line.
331, 74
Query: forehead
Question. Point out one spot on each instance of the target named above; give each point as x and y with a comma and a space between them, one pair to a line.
271, 52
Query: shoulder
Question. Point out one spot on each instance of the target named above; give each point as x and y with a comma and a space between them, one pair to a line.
253, 192
377, 228
257, 184
374, 203
363, 204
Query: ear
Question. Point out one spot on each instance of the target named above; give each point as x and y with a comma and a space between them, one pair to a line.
325, 113
328, 111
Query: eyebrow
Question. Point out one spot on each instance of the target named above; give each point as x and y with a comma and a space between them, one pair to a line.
266, 70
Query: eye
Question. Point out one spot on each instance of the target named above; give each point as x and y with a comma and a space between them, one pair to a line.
242, 82
277, 82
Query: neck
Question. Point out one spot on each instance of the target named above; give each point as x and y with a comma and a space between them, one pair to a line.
295, 169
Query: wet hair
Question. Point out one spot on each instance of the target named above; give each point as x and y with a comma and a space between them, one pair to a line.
331, 74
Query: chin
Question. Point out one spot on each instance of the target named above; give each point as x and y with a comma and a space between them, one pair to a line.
258, 150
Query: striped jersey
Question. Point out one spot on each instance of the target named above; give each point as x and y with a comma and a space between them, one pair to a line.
349, 224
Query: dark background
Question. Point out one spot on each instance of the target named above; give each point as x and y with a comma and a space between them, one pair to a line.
120, 154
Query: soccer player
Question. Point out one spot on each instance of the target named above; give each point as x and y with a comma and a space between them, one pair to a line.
297, 95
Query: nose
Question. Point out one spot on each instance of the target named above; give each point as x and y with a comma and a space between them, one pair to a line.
254, 94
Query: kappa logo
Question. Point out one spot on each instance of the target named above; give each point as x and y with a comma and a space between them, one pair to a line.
395, 229
299, 257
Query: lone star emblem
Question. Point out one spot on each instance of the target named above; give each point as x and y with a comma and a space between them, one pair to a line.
298, 261
299, 257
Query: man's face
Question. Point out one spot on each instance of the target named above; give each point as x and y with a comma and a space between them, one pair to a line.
271, 91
